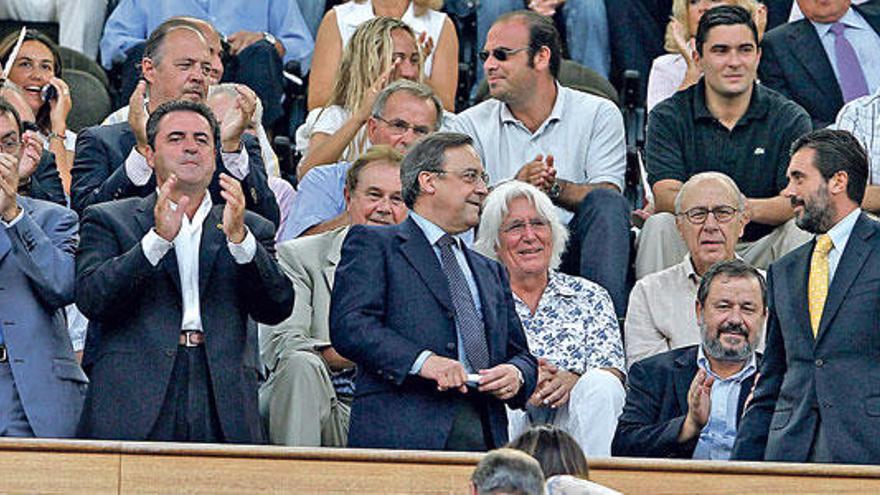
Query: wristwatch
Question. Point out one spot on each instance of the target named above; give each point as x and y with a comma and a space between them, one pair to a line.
555, 191
270, 38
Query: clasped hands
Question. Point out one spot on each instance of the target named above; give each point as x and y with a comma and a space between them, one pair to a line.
539, 172
500, 381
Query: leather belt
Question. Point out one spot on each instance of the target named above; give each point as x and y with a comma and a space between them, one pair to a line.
191, 338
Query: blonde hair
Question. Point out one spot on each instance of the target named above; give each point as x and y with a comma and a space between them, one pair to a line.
680, 13
367, 55
420, 7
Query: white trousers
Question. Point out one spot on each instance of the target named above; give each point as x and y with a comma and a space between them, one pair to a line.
79, 21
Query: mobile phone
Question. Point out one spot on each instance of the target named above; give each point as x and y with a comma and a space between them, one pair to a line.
49, 93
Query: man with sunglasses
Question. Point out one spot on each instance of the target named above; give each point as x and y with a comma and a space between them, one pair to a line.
728, 123
567, 143
430, 324
403, 113
710, 218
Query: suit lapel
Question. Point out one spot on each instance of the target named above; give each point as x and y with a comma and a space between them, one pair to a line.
145, 218
745, 388
5, 245
793, 275
332, 259
212, 240
415, 248
685, 369
805, 45
848, 268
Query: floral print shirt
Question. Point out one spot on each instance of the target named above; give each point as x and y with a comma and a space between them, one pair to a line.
574, 326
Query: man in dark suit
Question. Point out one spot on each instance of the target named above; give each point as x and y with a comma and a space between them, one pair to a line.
687, 402
169, 282
109, 162
41, 385
418, 311
817, 399
801, 61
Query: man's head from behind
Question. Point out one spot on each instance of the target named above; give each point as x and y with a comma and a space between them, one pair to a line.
404, 112
710, 216
443, 180
508, 472
372, 188
521, 47
731, 308
827, 176
176, 62
181, 137
727, 50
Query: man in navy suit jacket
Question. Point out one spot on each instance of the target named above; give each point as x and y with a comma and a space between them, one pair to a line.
687, 402
109, 163
818, 397
417, 326
795, 61
41, 385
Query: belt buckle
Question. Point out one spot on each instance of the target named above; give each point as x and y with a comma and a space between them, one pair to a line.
191, 338
4, 355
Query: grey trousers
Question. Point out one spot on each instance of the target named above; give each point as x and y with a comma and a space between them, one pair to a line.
299, 404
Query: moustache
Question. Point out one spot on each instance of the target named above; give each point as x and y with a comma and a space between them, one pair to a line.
797, 202
734, 328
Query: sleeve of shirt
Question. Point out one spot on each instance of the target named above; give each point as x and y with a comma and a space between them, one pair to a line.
125, 27
663, 81
640, 331
318, 199
287, 24
664, 154
237, 163
155, 247
244, 252
606, 148
420, 361
136, 168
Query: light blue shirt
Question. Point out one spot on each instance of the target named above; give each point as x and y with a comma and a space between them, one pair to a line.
133, 20
433, 233
319, 197
839, 237
717, 437
865, 42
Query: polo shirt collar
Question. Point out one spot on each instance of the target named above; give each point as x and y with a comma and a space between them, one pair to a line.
758, 104
507, 116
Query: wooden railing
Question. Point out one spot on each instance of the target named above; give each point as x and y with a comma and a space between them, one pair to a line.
76, 466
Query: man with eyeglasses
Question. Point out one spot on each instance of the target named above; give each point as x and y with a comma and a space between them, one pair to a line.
403, 113
728, 123
430, 324
306, 400
110, 162
687, 403
710, 218
41, 385
567, 143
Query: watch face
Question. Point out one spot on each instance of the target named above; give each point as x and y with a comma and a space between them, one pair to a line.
270, 38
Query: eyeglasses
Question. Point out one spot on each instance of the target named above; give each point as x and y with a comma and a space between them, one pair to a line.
500, 53
698, 215
518, 227
400, 126
10, 145
469, 176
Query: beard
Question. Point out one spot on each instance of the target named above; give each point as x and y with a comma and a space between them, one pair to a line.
716, 349
818, 214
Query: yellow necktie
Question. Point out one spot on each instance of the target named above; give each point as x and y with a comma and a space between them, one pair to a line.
818, 288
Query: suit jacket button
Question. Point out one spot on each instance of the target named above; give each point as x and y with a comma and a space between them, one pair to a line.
379, 372
820, 363
169, 353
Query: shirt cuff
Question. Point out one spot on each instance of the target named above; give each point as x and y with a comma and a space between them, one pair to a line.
519, 375
237, 164
420, 361
155, 247
14, 220
244, 252
136, 168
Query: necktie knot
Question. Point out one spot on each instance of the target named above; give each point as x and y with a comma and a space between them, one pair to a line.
838, 28
824, 244
446, 240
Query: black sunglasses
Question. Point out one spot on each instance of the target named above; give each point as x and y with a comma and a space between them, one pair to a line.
500, 53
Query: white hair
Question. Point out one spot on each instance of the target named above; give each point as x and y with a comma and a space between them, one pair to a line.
495, 210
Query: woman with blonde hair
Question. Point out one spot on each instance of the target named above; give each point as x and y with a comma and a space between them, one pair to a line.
677, 70
381, 50
437, 41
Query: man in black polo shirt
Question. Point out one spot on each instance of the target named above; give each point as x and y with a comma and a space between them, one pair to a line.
725, 123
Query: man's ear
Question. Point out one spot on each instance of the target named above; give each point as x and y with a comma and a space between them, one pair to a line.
150, 155
372, 122
698, 308
541, 60
347, 194
838, 182
427, 182
148, 69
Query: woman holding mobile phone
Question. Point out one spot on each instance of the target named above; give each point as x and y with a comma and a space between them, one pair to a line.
36, 70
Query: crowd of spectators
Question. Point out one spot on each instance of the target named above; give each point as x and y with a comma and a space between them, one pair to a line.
447, 256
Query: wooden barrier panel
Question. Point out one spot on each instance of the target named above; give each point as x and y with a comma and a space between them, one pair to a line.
77, 466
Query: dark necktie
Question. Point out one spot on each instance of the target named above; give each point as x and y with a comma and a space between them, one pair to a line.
852, 78
467, 318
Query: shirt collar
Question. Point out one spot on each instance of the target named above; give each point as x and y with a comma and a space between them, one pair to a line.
556, 286
507, 116
852, 19
758, 103
433, 232
841, 231
747, 370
